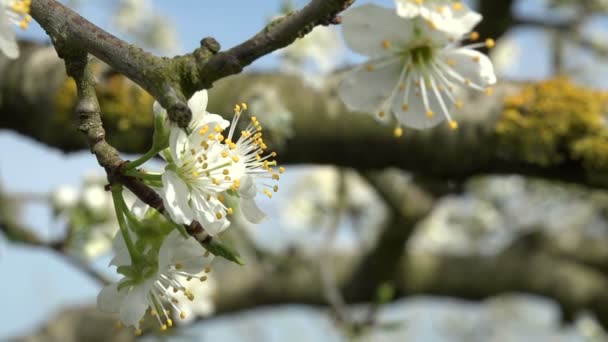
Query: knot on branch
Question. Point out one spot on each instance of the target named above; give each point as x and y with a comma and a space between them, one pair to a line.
210, 44
177, 107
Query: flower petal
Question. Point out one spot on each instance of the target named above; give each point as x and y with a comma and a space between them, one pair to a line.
175, 198
366, 28
176, 249
178, 144
251, 211
8, 42
121, 253
110, 299
365, 91
472, 65
135, 304
456, 22
198, 106
249, 208
206, 211
414, 114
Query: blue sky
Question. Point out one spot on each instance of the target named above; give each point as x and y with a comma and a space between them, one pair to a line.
38, 283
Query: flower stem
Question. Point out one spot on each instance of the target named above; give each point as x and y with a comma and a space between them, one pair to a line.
133, 221
139, 161
120, 208
145, 176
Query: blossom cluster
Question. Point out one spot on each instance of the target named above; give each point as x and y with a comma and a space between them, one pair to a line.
417, 63
211, 172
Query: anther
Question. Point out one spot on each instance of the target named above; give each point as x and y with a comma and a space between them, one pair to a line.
398, 132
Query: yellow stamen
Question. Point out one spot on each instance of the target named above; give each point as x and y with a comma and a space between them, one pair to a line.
398, 132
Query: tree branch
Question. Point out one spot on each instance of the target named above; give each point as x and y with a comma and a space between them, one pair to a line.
279, 33
172, 81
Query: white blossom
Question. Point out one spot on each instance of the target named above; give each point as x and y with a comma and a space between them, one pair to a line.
97, 200
414, 69
145, 24
64, 198
131, 297
452, 17
270, 109
194, 180
250, 167
313, 55
12, 12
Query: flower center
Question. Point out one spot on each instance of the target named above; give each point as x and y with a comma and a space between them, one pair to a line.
420, 55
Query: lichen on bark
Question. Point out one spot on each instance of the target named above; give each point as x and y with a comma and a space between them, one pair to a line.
550, 122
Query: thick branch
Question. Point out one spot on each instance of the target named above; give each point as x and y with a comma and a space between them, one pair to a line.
171, 81
325, 132
408, 204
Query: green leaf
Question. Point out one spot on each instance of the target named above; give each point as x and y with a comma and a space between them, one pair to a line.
221, 250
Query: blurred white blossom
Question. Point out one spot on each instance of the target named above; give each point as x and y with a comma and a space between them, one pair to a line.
267, 105
12, 12
146, 25
314, 55
65, 197
462, 226
313, 205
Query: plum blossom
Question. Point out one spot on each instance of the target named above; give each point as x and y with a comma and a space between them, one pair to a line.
205, 166
12, 12
450, 16
154, 289
414, 71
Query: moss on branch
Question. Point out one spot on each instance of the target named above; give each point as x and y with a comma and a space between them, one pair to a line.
555, 122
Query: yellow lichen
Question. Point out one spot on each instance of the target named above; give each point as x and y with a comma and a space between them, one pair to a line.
593, 152
125, 107
545, 121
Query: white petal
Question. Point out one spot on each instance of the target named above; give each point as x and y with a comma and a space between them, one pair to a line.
472, 65
121, 253
213, 119
110, 299
247, 188
461, 22
178, 144
198, 105
175, 196
251, 211
178, 250
365, 91
139, 208
8, 42
449, 20
206, 211
135, 304
366, 27
416, 115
